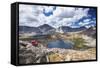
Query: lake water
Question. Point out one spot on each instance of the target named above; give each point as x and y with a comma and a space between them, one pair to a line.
60, 44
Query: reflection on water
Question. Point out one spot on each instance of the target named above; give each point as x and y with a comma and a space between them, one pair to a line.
60, 44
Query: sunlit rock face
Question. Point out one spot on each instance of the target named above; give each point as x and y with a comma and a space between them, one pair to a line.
73, 55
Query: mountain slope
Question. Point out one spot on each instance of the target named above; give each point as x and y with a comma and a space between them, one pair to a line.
46, 29
27, 29
69, 29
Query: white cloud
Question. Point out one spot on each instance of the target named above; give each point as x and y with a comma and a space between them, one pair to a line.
32, 15
86, 20
64, 12
87, 23
68, 16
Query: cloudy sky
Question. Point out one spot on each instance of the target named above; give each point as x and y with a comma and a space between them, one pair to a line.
36, 15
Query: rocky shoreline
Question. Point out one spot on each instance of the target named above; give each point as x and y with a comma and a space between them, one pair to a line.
30, 54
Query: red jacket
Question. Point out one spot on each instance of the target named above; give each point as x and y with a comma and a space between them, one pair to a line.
34, 42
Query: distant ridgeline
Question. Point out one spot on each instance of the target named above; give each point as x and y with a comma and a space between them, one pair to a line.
46, 29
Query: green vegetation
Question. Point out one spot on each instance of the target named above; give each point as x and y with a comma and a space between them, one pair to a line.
79, 43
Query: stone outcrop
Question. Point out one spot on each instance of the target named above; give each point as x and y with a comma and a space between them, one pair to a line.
73, 55
40, 54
